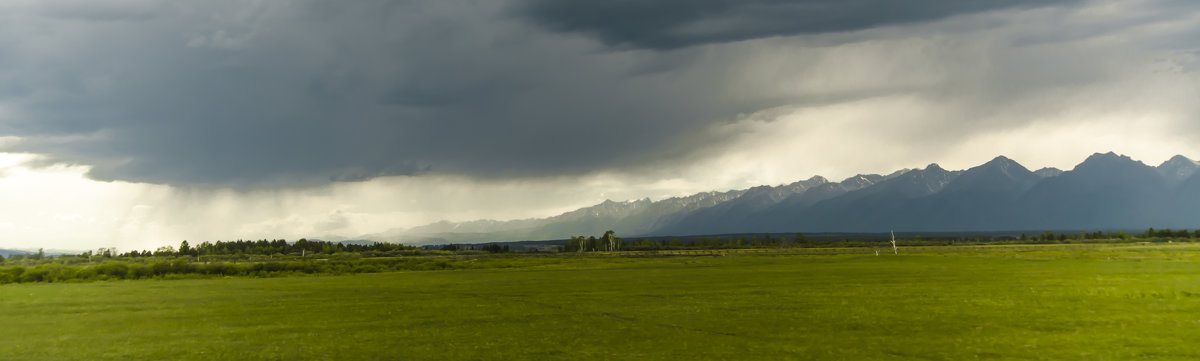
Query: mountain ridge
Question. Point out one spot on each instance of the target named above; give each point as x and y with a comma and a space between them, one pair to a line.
1105, 191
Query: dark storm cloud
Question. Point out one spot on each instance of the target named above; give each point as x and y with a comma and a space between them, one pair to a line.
228, 94
264, 94
669, 24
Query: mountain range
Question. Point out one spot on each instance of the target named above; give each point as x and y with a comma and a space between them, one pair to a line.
9, 252
1106, 191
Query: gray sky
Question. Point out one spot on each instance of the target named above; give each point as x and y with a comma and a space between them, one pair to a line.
136, 123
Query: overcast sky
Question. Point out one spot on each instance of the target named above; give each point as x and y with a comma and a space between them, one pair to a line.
137, 123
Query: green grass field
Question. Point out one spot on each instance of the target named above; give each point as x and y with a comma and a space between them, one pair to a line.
1062, 302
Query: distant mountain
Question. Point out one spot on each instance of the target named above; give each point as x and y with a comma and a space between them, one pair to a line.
871, 208
793, 208
631, 217
1185, 205
1178, 169
10, 252
1048, 172
978, 199
1105, 191
829, 190
46, 251
1000, 175
716, 219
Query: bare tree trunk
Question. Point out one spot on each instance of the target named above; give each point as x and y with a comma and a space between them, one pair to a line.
894, 248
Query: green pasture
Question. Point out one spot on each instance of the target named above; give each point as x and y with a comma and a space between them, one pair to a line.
1057, 302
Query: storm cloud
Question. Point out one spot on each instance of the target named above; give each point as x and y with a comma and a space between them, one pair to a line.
316, 118
673, 24
225, 94
268, 94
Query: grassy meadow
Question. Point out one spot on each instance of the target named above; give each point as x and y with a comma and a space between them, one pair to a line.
1051, 302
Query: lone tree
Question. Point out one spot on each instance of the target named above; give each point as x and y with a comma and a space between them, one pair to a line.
610, 239
895, 249
576, 241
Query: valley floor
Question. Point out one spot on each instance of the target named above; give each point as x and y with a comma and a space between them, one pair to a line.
1058, 302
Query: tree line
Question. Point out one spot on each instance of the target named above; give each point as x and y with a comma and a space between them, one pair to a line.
278, 257
300, 247
180, 268
608, 242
